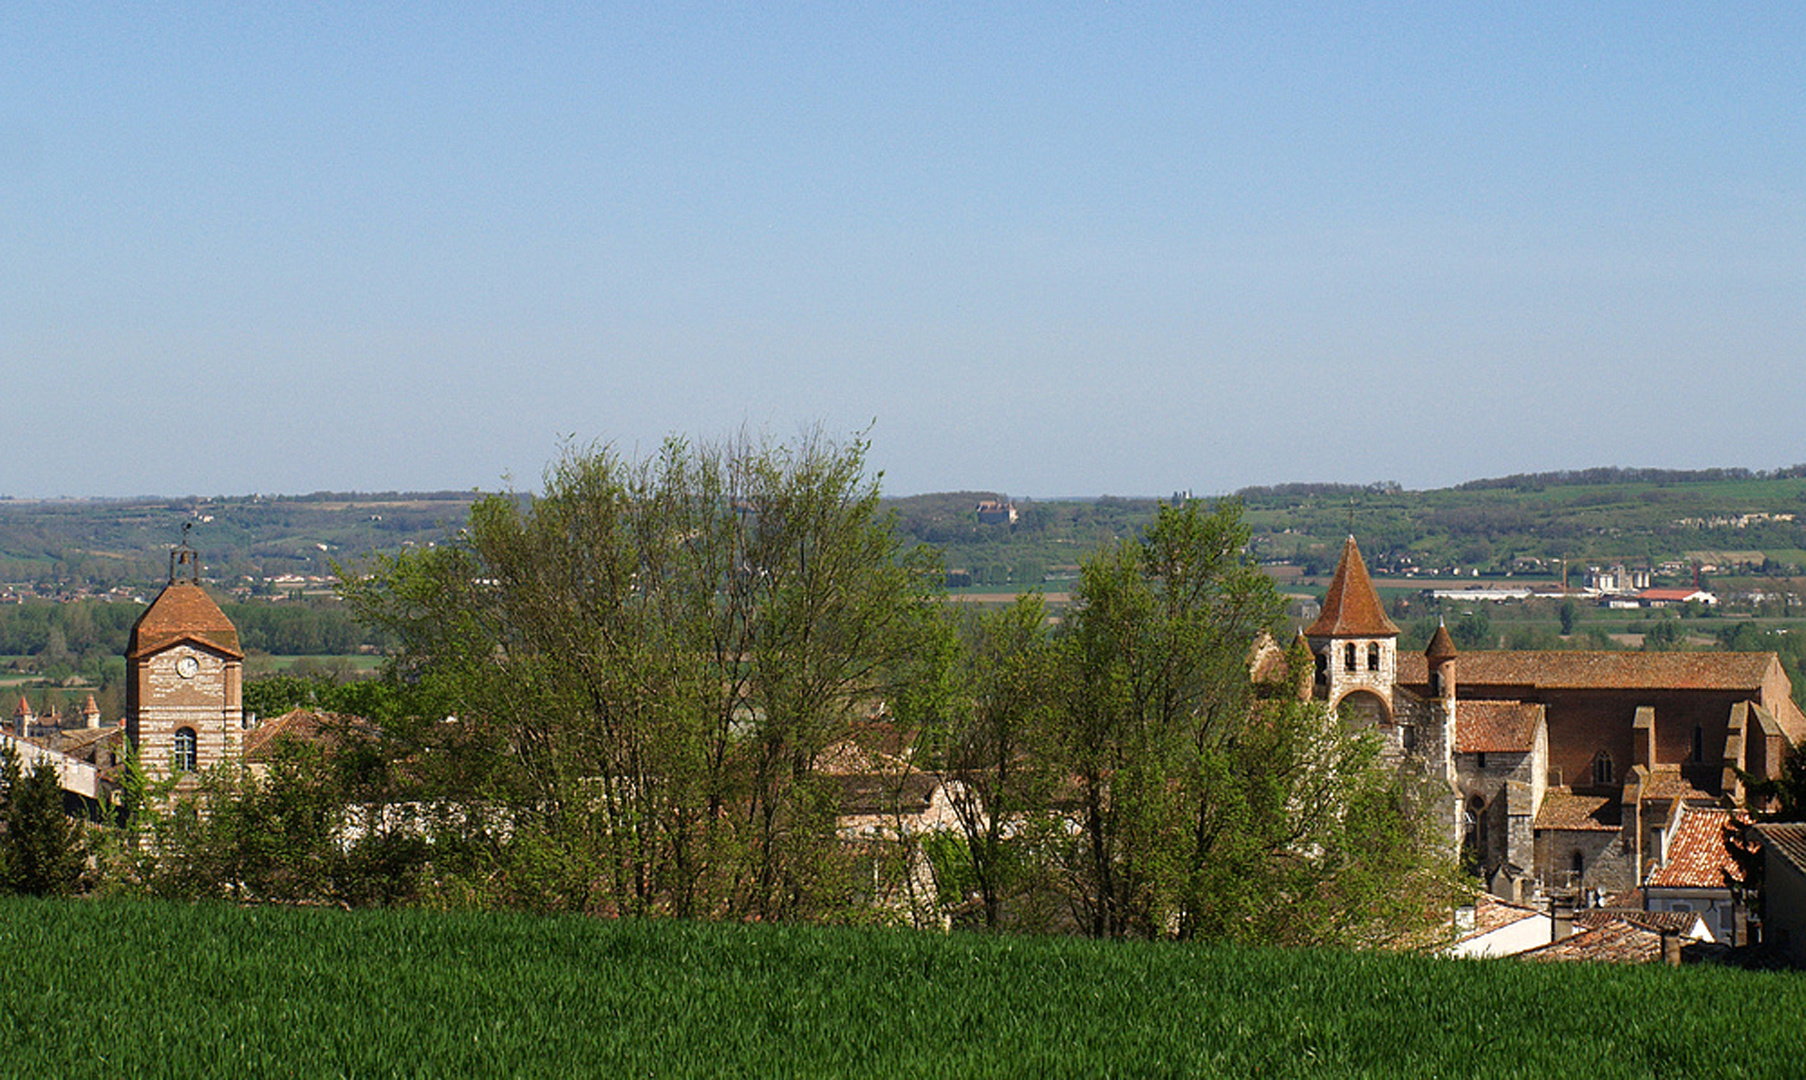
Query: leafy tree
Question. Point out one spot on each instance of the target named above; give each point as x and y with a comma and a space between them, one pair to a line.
1570, 614
646, 664
989, 744
45, 852
1207, 806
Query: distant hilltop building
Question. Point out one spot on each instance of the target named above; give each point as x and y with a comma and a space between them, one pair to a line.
996, 512
1566, 769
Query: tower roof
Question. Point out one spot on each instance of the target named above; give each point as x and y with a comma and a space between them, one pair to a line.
1442, 646
1351, 608
183, 612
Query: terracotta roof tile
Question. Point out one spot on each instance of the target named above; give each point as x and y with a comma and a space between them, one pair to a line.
1565, 811
1561, 669
183, 612
1442, 646
1490, 913
1673, 922
1670, 783
1697, 857
304, 725
1613, 941
1505, 727
1351, 608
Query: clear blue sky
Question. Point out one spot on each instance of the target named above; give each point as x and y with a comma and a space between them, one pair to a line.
1068, 249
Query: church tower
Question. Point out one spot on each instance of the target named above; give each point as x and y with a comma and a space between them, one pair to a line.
1355, 645
184, 677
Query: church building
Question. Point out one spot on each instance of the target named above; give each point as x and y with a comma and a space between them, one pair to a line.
184, 677
1565, 768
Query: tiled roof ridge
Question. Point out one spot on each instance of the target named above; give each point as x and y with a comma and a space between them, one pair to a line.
1352, 608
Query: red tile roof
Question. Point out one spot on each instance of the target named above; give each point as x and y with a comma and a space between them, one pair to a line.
1490, 913
1697, 857
1613, 941
1351, 608
1673, 922
183, 612
1505, 727
303, 725
1667, 782
1584, 670
1565, 811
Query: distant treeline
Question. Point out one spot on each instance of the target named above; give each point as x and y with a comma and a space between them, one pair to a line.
1615, 475
1265, 492
85, 632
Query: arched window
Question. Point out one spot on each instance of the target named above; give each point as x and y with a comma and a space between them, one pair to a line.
1348, 657
185, 750
1322, 668
1578, 864
1602, 768
1373, 656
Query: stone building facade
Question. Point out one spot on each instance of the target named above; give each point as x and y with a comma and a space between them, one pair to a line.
1566, 769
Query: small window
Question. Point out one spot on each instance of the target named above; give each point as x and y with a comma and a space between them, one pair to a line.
1602, 768
1322, 667
1699, 743
1480, 760
1407, 736
1348, 656
1578, 864
185, 750
1373, 656
1436, 682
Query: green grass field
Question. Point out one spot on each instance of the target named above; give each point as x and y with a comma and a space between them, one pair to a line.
120, 988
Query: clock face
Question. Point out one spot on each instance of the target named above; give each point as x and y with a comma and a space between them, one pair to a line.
187, 666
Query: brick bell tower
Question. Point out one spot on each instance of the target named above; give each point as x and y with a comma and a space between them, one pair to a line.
184, 677
1355, 645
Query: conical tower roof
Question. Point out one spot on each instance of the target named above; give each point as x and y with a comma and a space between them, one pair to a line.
183, 612
1351, 608
1442, 646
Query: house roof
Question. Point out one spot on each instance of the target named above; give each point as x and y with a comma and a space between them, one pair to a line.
183, 612
1491, 913
1485, 727
1351, 608
303, 725
1786, 839
1560, 669
1668, 782
1564, 811
1697, 857
1673, 922
1614, 940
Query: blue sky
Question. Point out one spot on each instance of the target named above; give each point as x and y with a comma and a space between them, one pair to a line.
1048, 250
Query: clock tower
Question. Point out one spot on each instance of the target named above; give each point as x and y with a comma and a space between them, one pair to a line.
184, 675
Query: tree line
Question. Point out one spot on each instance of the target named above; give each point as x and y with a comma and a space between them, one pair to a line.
653, 690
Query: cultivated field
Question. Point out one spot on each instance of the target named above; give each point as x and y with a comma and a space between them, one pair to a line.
125, 988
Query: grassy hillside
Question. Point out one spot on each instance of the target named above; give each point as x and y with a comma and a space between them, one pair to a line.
132, 988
